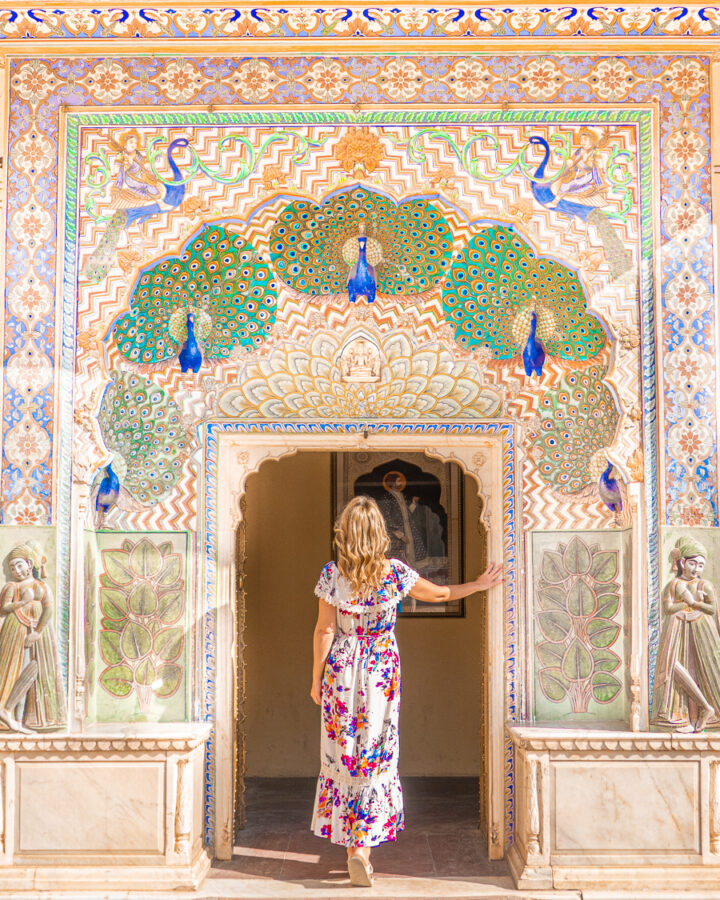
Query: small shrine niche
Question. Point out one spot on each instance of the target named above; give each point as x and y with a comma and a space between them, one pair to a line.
360, 361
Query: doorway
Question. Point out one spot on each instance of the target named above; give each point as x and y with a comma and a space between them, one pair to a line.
284, 540
235, 450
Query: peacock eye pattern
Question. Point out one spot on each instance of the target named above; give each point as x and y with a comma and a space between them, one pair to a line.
221, 279
496, 283
578, 420
141, 425
312, 246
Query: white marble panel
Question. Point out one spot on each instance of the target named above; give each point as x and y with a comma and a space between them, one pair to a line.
626, 806
99, 806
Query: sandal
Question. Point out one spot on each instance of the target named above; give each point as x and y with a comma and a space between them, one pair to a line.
360, 872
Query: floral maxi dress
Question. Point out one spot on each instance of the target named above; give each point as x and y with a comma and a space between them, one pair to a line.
359, 799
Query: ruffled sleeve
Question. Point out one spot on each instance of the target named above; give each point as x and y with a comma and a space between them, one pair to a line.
326, 588
405, 577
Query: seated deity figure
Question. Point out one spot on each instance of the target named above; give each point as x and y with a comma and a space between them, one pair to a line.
29, 663
687, 673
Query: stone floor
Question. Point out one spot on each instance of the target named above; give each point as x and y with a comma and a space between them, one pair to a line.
441, 836
440, 854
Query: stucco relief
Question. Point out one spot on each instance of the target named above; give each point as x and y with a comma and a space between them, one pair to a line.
312, 381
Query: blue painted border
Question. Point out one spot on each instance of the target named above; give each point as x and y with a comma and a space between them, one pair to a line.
513, 674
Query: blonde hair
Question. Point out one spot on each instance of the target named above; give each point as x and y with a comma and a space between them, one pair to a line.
362, 541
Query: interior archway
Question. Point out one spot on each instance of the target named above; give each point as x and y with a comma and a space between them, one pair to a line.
283, 541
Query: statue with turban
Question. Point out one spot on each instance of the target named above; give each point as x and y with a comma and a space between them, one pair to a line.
29, 662
687, 674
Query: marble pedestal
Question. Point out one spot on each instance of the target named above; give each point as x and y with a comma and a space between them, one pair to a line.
601, 810
112, 810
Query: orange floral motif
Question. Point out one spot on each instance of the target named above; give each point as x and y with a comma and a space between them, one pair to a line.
636, 465
89, 338
273, 177
128, 259
443, 177
192, 205
359, 150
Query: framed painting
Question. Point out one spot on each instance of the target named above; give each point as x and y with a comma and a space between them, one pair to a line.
421, 501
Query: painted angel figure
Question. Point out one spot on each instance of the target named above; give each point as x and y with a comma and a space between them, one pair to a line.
136, 195
31, 689
581, 192
583, 179
134, 181
687, 674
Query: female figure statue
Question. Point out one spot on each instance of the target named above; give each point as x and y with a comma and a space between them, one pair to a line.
687, 674
29, 663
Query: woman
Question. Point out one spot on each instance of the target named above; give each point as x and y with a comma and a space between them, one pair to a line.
356, 680
135, 183
687, 674
582, 179
29, 663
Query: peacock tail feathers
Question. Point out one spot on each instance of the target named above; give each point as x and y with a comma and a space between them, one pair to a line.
141, 426
102, 258
492, 288
578, 421
314, 247
220, 277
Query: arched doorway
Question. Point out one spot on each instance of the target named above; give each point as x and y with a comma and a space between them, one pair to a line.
485, 450
285, 538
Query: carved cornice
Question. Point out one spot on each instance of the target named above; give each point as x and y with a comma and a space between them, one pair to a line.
105, 745
546, 740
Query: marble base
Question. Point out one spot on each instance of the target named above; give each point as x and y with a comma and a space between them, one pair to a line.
120, 809
118, 877
601, 810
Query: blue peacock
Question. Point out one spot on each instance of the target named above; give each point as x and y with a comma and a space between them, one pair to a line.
362, 243
143, 430
361, 279
578, 422
500, 295
103, 257
210, 302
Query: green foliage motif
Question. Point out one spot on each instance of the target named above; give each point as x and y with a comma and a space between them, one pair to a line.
142, 601
578, 598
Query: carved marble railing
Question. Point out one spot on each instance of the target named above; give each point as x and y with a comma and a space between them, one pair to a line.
616, 810
121, 808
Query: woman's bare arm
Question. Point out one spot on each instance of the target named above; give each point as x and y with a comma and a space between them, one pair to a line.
429, 592
322, 641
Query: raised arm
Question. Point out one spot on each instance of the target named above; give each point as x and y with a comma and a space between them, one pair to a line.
429, 592
322, 641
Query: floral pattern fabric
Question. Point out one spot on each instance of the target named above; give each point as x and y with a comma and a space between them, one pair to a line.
359, 798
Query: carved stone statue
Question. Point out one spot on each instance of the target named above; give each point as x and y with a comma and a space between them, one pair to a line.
29, 663
687, 674
360, 362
